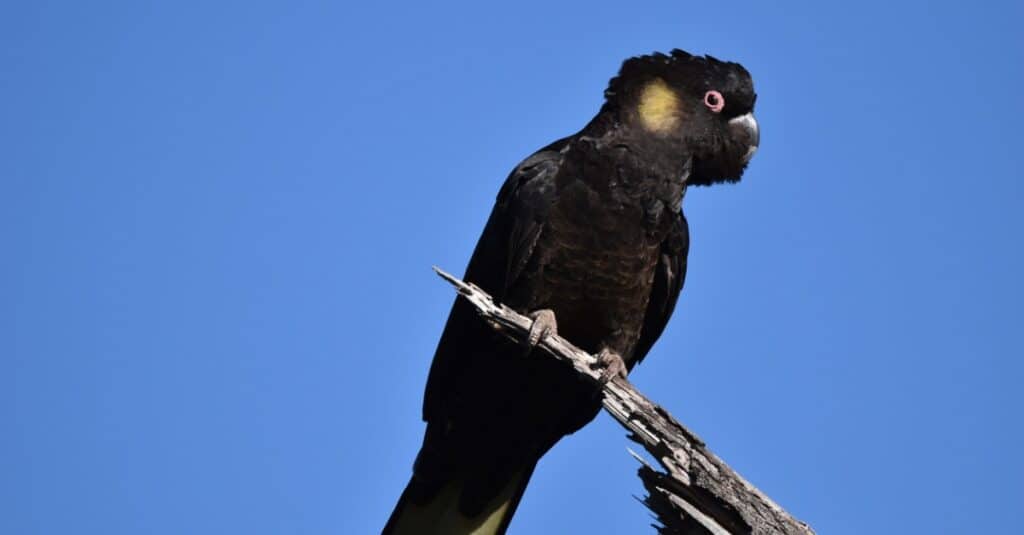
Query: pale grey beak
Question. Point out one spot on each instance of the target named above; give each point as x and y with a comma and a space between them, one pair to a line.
746, 130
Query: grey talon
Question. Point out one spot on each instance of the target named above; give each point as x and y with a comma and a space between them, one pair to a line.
544, 324
611, 365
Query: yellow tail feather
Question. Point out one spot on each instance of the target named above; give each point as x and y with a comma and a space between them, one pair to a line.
441, 515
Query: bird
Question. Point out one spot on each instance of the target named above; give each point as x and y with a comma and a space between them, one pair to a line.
587, 238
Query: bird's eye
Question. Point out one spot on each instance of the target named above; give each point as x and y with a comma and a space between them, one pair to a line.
714, 101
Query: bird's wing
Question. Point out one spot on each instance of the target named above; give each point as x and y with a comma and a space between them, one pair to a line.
668, 281
519, 214
501, 254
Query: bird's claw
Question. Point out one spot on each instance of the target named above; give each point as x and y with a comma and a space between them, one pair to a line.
544, 324
611, 365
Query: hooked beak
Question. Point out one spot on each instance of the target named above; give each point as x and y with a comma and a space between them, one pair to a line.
745, 130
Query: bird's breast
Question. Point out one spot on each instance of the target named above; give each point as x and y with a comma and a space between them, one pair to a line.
594, 266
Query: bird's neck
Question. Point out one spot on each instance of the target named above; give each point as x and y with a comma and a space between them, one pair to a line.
643, 162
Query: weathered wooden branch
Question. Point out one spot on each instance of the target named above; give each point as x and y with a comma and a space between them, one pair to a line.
697, 493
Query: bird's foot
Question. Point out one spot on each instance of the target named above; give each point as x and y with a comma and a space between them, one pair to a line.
611, 365
544, 324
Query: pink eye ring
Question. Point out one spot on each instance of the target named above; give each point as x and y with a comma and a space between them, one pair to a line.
714, 101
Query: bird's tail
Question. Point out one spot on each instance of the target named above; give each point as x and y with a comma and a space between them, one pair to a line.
444, 511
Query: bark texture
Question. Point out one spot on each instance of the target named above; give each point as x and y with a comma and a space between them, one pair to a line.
694, 492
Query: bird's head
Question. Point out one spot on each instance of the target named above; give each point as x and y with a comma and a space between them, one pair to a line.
704, 104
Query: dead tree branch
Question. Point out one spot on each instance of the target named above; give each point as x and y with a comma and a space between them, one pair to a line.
696, 493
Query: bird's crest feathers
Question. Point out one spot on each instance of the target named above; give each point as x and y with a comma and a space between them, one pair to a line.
688, 74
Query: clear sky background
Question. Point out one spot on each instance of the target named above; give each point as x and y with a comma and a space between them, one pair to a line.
218, 220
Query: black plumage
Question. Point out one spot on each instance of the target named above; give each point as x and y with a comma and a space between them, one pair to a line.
589, 227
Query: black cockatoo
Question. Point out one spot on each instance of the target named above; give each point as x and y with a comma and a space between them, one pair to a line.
587, 237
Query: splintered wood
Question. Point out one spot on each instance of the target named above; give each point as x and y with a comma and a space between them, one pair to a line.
695, 492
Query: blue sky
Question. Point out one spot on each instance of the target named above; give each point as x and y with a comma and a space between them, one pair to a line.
219, 221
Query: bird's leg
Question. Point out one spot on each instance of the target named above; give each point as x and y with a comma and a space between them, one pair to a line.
543, 324
611, 365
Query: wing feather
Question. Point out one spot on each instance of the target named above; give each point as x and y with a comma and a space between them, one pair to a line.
504, 248
668, 282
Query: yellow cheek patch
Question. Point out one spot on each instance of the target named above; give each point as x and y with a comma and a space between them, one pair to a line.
659, 107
